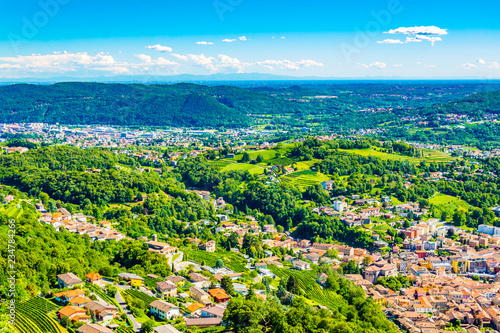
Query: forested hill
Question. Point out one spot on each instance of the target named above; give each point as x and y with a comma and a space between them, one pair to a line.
178, 105
476, 105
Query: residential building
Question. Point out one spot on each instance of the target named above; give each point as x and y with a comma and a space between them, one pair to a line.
200, 295
132, 279
94, 278
163, 310
166, 288
219, 295
301, 265
208, 246
68, 280
74, 313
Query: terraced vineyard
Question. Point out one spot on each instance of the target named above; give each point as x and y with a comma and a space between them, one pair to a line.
307, 282
123, 329
31, 317
303, 179
231, 260
140, 295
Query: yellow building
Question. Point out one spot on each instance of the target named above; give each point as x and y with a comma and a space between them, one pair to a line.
460, 265
132, 279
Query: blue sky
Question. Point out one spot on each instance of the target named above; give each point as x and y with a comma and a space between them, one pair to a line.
395, 38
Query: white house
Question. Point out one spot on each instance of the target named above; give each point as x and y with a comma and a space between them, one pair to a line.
301, 265
338, 206
163, 310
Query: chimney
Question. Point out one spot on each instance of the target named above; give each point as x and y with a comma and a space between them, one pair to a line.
155, 237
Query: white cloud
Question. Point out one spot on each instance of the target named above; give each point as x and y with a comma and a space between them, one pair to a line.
283, 37
160, 61
390, 41
422, 30
227, 40
398, 65
59, 62
425, 65
416, 34
287, 64
243, 38
179, 56
160, 48
489, 64
228, 62
82, 63
215, 65
376, 64
481, 63
204, 43
467, 66
144, 58
429, 38
412, 40
494, 65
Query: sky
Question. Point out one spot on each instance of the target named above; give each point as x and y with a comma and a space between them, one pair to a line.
337, 39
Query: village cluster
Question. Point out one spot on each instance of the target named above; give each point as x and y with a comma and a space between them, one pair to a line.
451, 279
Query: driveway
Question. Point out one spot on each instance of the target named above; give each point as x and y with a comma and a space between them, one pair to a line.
121, 301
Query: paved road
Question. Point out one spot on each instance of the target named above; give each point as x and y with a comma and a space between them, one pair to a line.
121, 301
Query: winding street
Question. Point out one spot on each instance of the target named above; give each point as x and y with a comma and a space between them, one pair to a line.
121, 301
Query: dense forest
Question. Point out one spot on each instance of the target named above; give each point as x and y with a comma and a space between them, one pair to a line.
339, 107
178, 105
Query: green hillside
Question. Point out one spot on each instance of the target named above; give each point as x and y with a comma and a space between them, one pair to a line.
182, 105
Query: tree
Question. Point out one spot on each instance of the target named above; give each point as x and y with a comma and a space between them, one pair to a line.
251, 293
211, 155
31, 289
367, 261
245, 158
44, 197
332, 283
147, 326
227, 284
332, 253
292, 285
459, 218
450, 233
259, 158
281, 292
219, 263
65, 321
51, 207
444, 216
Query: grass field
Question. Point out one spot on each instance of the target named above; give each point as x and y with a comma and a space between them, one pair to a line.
430, 155
231, 260
11, 210
252, 168
381, 227
269, 156
448, 201
303, 179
